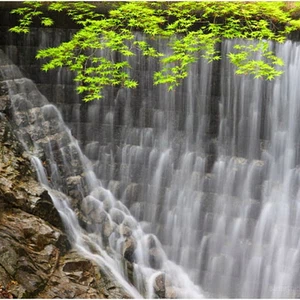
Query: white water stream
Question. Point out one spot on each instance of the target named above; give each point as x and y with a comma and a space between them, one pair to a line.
100, 227
217, 180
218, 173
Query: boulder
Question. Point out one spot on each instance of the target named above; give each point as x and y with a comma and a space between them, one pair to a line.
156, 258
159, 286
129, 249
171, 293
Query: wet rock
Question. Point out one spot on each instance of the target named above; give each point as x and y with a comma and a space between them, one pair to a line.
156, 258
155, 252
34, 253
35, 256
88, 204
171, 293
5, 103
111, 288
160, 286
152, 241
22, 119
107, 204
27, 277
18, 187
124, 230
130, 222
73, 181
4, 91
117, 215
30, 255
74, 277
163, 287
9, 72
51, 141
76, 195
84, 221
99, 216
129, 268
45, 209
17, 290
129, 249
21, 104
120, 206
108, 228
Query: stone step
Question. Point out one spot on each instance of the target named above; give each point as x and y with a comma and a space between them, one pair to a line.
139, 173
227, 205
219, 285
140, 156
222, 253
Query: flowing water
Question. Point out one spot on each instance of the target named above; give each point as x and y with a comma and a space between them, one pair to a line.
253, 247
211, 169
98, 225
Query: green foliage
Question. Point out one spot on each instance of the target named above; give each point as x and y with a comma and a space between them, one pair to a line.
98, 52
186, 51
247, 62
28, 12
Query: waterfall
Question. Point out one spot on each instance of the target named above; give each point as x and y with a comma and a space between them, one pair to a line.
205, 178
213, 170
98, 225
251, 249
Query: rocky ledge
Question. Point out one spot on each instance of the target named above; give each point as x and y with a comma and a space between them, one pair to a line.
36, 259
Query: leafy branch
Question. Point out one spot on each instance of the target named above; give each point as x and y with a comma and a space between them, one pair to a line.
98, 52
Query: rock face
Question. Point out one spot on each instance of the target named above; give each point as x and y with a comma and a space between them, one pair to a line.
36, 260
32, 129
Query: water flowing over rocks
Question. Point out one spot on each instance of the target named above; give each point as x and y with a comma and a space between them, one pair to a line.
212, 169
68, 198
36, 260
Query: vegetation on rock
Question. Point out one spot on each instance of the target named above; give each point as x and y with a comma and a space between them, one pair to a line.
98, 52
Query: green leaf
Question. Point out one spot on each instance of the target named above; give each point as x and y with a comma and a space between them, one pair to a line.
98, 52
47, 21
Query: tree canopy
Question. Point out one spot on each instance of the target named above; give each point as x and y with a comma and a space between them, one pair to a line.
192, 29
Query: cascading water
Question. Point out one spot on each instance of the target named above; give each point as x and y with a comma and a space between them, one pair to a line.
223, 199
212, 169
99, 226
252, 247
